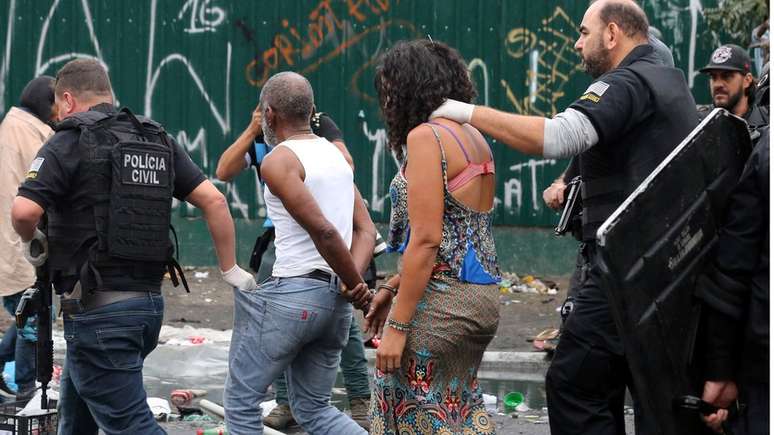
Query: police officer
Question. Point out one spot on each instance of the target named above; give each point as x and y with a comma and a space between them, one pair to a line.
731, 82
106, 180
735, 292
554, 198
634, 113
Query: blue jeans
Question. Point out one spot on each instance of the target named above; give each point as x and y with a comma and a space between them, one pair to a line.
295, 325
354, 368
101, 383
20, 346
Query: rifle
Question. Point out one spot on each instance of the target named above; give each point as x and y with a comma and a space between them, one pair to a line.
36, 300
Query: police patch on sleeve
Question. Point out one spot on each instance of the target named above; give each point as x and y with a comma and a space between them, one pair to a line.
34, 168
145, 168
595, 91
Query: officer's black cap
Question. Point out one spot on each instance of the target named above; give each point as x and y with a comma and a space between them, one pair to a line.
729, 57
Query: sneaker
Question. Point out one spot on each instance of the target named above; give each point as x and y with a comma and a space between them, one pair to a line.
280, 417
359, 409
5, 390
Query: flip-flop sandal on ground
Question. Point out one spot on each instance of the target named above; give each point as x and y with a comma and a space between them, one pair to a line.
539, 341
547, 334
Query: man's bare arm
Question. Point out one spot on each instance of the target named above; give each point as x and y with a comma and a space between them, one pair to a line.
345, 152
363, 235
363, 227
207, 198
522, 133
232, 161
567, 134
25, 215
283, 175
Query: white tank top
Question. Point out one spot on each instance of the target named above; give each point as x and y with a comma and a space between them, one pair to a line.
329, 178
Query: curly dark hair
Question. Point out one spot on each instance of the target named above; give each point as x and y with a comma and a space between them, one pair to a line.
412, 79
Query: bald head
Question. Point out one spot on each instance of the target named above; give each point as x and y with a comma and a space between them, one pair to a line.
610, 30
626, 14
289, 95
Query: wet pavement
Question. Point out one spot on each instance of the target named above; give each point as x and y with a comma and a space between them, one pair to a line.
195, 357
179, 363
203, 366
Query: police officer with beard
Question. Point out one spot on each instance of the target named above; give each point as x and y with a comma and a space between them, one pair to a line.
635, 112
731, 82
106, 180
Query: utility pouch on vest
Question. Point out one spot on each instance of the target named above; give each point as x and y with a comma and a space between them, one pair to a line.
142, 183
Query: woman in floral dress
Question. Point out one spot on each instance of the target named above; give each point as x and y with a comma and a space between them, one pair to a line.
446, 309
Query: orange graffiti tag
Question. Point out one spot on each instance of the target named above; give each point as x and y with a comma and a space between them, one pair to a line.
291, 47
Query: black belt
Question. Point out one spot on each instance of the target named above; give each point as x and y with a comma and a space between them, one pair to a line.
318, 274
97, 299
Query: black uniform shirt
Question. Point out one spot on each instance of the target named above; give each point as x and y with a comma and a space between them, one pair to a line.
55, 170
618, 100
618, 104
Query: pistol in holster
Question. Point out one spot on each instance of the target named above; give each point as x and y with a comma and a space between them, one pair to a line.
570, 219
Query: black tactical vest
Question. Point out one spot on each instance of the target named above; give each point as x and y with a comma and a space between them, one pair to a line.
121, 225
611, 171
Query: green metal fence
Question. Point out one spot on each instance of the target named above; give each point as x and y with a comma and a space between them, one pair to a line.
197, 66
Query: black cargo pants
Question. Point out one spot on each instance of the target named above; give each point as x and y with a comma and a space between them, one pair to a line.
586, 383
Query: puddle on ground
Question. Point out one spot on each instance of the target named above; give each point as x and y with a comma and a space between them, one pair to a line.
204, 367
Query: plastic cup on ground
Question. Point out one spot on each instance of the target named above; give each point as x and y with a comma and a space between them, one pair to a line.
512, 400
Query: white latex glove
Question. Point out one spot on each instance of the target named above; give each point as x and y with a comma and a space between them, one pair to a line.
239, 278
454, 110
42, 255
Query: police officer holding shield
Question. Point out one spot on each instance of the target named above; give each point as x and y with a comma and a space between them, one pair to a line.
735, 292
106, 180
635, 112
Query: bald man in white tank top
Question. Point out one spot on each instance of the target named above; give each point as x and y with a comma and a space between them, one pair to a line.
298, 321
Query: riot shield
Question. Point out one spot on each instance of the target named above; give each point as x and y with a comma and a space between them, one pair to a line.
651, 250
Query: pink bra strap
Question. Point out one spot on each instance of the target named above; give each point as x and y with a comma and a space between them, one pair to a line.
471, 171
459, 142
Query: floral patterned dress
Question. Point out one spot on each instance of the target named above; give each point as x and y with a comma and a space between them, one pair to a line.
436, 389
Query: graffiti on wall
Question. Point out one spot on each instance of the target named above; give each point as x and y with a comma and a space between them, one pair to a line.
204, 17
324, 37
680, 22
532, 69
552, 62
